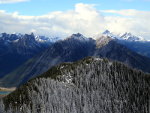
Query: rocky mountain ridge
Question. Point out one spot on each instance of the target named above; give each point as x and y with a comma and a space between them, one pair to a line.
72, 49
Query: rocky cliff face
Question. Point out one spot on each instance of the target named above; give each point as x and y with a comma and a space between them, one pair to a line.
92, 85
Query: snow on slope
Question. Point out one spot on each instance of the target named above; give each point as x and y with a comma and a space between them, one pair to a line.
131, 37
79, 36
13, 38
126, 36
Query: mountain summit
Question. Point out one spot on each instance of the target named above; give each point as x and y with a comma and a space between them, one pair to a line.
130, 37
126, 36
107, 33
79, 37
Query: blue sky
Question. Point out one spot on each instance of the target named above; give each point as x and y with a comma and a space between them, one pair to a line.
64, 17
39, 7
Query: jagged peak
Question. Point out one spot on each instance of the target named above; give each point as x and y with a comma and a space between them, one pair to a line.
105, 36
130, 37
32, 34
15, 37
125, 36
78, 36
106, 32
110, 34
52, 38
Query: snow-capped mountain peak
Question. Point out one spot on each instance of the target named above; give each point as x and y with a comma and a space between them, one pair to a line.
126, 36
79, 36
130, 37
42, 39
107, 33
15, 37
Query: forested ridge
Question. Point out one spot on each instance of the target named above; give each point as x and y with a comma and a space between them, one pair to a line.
91, 85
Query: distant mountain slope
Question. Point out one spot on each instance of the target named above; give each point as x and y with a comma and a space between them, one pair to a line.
92, 85
142, 48
124, 37
15, 49
72, 49
115, 51
135, 43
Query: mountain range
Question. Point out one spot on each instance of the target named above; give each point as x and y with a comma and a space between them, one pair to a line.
108, 74
74, 48
135, 43
16, 49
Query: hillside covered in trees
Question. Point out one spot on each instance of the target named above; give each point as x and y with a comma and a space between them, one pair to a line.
91, 85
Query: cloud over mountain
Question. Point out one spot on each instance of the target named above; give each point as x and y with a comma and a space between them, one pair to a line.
84, 18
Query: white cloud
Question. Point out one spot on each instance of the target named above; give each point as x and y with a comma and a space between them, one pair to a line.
11, 1
130, 20
84, 19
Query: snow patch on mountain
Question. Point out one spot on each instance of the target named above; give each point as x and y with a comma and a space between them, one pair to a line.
130, 37
79, 37
109, 34
126, 36
47, 39
15, 37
